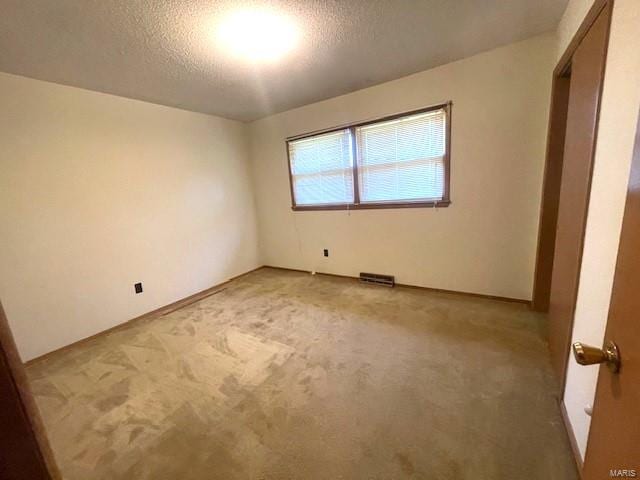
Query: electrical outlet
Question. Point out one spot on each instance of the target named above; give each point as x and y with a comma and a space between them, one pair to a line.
138, 287
326, 252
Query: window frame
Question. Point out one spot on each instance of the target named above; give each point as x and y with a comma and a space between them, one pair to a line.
356, 205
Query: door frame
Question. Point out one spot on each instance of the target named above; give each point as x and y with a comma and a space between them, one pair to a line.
549, 204
552, 182
552, 176
24, 448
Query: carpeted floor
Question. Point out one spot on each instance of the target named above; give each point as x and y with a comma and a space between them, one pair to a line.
284, 375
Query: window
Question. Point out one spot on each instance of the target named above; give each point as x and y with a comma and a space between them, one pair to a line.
401, 161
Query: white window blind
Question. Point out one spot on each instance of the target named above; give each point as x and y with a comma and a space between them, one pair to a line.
322, 169
403, 160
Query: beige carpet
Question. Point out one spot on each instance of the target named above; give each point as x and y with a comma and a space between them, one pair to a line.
285, 375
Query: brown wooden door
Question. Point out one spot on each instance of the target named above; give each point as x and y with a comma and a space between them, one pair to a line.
24, 450
587, 74
614, 438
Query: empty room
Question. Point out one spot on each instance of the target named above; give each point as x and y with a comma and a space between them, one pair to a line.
303, 239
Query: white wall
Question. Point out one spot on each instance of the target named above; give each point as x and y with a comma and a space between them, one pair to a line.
485, 241
618, 118
98, 192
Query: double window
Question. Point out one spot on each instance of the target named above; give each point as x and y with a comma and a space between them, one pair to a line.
400, 161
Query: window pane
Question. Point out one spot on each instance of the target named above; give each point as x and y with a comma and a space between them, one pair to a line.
403, 159
322, 169
408, 182
323, 189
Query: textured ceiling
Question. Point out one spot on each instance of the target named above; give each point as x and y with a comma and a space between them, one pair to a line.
164, 51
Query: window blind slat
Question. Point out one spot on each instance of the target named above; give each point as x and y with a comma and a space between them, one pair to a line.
402, 160
322, 169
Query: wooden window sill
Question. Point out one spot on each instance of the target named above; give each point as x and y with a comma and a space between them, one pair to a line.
371, 206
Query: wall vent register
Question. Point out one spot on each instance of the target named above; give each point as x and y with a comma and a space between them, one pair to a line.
378, 279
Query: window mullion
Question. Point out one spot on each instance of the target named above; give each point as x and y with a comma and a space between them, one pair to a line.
354, 155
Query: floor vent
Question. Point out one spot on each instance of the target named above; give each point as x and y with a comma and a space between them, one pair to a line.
377, 279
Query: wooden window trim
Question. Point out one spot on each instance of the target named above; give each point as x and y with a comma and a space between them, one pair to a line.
356, 205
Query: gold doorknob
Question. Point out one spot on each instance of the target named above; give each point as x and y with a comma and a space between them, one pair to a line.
588, 355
